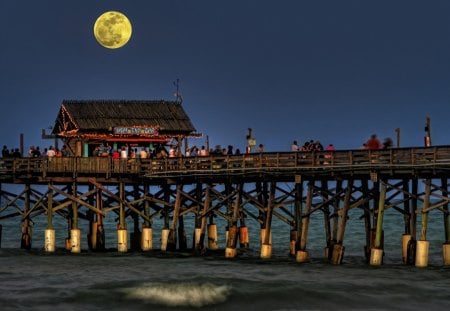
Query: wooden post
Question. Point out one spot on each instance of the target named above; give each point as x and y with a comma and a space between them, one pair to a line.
26, 226
338, 248
230, 250
200, 247
422, 243
367, 219
199, 220
135, 236
336, 209
326, 219
376, 255
165, 231
298, 206
100, 231
172, 240
147, 231
49, 244
427, 139
302, 254
266, 248
397, 130
92, 231
446, 244
406, 237
122, 232
75, 236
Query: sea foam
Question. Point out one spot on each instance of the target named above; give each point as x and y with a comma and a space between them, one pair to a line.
187, 294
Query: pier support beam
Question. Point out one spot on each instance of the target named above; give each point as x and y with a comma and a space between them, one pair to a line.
165, 231
230, 250
25, 242
50, 242
266, 247
75, 233
99, 231
302, 254
147, 231
376, 255
172, 239
298, 206
446, 245
406, 237
122, 233
423, 245
338, 248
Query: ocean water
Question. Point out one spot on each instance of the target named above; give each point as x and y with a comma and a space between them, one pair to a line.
35, 280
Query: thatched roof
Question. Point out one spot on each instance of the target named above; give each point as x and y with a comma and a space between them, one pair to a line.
102, 115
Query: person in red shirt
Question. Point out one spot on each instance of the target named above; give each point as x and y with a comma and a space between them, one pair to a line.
373, 143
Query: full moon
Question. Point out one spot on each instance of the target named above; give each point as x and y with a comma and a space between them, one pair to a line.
112, 29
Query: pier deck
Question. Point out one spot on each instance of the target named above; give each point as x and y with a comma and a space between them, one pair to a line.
226, 186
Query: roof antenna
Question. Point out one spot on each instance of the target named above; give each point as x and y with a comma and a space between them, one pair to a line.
178, 97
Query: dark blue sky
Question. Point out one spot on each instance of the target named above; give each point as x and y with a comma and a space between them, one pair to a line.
331, 70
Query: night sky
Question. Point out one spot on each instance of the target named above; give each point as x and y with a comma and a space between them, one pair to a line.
330, 70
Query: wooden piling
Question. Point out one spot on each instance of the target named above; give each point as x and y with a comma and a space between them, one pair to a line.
326, 219
338, 248
302, 254
298, 206
122, 233
99, 244
230, 250
422, 243
172, 239
266, 247
446, 244
376, 256
50, 242
367, 219
26, 226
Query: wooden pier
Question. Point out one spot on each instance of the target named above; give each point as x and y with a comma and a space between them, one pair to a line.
412, 181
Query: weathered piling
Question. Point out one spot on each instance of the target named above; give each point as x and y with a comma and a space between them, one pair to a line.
302, 254
422, 244
266, 247
50, 239
338, 248
376, 256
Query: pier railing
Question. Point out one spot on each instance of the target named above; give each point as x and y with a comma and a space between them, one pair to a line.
397, 158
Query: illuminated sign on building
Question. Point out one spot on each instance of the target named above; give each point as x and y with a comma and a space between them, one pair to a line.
135, 130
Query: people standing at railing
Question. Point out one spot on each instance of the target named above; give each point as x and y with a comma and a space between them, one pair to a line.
5, 152
260, 148
51, 152
387, 143
143, 153
295, 147
116, 154
203, 151
230, 150
329, 154
306, 146
194, 151
123, 152
373, 143
65, 151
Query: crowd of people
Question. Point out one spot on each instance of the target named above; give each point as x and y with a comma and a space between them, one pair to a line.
160, 150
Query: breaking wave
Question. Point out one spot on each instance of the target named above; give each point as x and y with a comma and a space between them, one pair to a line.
185, 294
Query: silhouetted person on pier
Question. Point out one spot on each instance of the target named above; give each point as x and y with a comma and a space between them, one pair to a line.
373, 143
387, 143
5, 152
